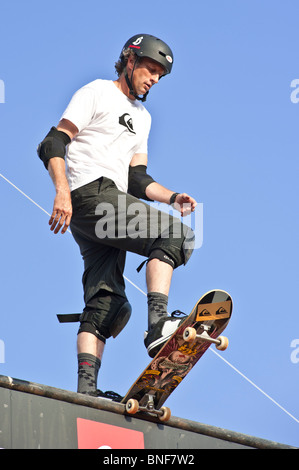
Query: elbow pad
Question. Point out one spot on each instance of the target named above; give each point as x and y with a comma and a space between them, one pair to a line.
138, 181
53, 145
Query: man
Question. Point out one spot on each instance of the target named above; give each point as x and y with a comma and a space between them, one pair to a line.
103, 133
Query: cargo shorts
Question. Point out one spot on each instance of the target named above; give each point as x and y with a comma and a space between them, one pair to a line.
107, 223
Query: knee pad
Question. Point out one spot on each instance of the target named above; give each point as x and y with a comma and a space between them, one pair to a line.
120, 319
105, 316
174, 251
162, 256
89, 327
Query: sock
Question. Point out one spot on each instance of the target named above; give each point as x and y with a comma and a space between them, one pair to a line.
157, 307
88, 368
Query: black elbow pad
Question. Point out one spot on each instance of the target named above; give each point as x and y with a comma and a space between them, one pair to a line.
53, 145
138, 181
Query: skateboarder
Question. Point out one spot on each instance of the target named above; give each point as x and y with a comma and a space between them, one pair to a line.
103, 137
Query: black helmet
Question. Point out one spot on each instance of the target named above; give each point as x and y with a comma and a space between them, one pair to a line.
145, 45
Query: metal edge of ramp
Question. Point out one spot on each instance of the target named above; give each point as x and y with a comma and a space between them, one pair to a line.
110, 406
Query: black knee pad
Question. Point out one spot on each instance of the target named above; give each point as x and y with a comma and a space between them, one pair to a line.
89, 327
175, 250
162, 256
120, 319
105, 315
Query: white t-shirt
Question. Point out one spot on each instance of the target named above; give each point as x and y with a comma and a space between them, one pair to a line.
112, 128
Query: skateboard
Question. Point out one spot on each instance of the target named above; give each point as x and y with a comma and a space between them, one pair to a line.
179, 355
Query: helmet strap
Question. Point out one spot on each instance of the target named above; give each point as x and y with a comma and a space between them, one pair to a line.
130, 85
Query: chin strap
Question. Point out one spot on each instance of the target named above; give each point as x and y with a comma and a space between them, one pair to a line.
129, 83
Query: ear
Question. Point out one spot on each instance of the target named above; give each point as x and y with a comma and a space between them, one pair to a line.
130, 63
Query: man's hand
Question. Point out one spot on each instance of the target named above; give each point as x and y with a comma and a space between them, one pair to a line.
185, 204
62, 212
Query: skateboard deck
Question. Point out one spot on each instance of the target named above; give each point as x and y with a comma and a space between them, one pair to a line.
180, 353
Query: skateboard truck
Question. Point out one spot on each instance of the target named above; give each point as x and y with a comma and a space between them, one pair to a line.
132, 406
190, 335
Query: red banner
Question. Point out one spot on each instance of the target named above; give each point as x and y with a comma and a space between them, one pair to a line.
94, 435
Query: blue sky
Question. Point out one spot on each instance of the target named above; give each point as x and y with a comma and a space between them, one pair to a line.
225, 130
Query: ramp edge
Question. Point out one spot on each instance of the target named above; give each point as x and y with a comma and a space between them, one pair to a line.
110, 406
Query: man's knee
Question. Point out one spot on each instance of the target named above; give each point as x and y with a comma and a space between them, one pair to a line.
105, 315
174, 250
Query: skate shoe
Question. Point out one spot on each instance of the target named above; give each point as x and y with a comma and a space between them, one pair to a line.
156, 337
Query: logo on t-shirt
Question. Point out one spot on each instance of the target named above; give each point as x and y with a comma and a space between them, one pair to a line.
126, 120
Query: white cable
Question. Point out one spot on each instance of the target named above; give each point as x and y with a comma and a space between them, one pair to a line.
140, 290
254, 385
31, 200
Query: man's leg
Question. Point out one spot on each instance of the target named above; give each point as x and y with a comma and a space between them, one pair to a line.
88, 343
158, 279
158, 276
167, 241
160, 325
105, 315
89, 352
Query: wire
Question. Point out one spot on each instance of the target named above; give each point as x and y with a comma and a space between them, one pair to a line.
140, 290
254, 385
31, 200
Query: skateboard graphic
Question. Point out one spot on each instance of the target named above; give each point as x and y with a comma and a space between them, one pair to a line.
179, 355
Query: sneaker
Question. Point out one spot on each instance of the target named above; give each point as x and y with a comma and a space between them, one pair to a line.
155, 339
109, 395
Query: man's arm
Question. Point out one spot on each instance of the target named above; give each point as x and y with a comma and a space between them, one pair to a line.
156, 192
62, 208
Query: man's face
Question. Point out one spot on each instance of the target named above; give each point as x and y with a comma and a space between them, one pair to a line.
146, 73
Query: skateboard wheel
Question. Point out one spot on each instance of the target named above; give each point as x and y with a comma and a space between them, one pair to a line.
132, 406
189, 334
223, 343
166, 414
